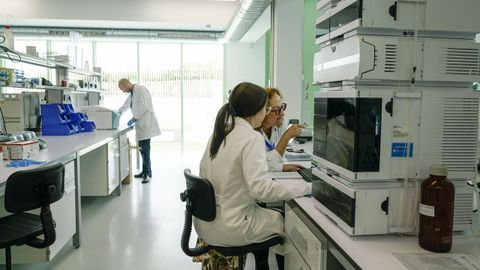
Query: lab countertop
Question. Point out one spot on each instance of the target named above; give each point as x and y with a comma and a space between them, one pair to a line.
60, 147
377, 251
307, 147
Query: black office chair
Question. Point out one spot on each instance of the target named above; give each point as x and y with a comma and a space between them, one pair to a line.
27, 190
200, 198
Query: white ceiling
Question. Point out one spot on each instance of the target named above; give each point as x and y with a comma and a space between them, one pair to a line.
206, 15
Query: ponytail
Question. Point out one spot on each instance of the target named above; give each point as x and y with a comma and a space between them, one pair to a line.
224, 124
246, 100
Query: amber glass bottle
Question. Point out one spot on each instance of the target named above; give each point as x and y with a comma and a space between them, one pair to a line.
436, 211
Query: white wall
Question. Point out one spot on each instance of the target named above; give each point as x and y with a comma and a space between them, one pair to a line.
244, 62
287, 53
153, 13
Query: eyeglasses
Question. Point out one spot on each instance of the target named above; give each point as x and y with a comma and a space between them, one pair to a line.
279, 109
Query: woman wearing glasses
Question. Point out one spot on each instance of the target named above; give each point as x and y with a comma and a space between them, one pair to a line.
235, 163
276, 140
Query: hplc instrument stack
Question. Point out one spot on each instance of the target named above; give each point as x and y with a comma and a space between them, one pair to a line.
396, 97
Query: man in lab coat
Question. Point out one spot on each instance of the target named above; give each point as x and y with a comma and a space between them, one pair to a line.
139, 101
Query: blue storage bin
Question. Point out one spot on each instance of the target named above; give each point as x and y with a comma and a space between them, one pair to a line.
77, 128
55, 119
89, 126
68, 108
52, 109
77, 117
60, 130
61, 120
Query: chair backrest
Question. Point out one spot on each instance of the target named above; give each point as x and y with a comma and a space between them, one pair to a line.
200, 197
31, 189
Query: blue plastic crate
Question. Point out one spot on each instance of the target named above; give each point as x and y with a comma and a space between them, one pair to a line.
59, 130
77, 128
68, 108
52, 109
78, 117
89, 126
55, 119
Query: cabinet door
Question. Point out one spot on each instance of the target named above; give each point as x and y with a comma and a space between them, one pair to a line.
293, 259
336, 260
94, 172
124, 157
113, 165
64, 212
311, 245
64, 216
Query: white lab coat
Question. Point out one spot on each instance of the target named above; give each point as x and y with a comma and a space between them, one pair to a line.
146, 126
274, 159
239, 177
275, 136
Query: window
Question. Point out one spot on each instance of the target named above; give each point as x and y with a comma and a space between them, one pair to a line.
118, 60
203, 94
31, 71
185, 80
80, 55
160, 71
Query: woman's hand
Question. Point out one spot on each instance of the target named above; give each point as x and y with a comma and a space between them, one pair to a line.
293, 130
292, 167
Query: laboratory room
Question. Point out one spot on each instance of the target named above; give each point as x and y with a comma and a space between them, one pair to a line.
239, 135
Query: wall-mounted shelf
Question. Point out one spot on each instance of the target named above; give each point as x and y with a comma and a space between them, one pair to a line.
53, 87
84, 72
42, 62
39, 87
79, 97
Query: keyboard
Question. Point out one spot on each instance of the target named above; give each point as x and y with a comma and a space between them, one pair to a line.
307, 174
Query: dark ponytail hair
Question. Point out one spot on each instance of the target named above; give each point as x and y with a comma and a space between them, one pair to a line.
246, 99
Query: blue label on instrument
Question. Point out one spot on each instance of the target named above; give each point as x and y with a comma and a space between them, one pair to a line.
401, 150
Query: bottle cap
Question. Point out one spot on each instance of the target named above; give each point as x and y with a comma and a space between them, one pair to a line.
438, 170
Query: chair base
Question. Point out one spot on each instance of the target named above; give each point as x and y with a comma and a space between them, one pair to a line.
251, 248
8, 258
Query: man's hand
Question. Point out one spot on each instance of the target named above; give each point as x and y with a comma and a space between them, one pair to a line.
131, 122
292, 167
293, 131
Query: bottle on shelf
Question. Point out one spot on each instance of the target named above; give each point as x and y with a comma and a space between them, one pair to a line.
436, 211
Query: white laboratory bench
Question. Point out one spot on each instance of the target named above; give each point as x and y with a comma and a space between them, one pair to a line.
95, 163
314, 242
306, 147
60, 147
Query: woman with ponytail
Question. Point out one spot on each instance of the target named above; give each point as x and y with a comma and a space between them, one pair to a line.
235, 163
